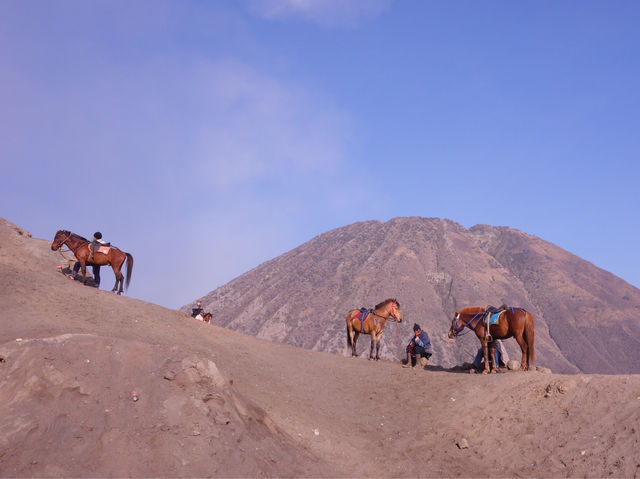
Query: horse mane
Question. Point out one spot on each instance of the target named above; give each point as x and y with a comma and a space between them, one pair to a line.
77, 236
385, 302
472, 310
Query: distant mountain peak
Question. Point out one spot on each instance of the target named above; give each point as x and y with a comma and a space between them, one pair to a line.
435, 266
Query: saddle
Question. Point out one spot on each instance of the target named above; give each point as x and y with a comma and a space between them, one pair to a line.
98, 248
492, 309
363, 315
492, 316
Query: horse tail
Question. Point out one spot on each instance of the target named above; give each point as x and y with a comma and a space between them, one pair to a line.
129, 269
349, 329
529, 337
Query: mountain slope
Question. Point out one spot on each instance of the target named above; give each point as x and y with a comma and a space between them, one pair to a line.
435, 267
216, 403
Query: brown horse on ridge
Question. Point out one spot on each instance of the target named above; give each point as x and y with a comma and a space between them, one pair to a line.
104, 255
371, 323
512, 322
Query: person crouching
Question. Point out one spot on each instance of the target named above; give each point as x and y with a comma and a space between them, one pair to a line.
419, 347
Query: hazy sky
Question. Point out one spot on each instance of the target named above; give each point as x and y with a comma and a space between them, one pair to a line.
206, 137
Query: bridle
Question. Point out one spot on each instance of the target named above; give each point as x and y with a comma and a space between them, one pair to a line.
392, 313
63, 241
73, 250
459, 328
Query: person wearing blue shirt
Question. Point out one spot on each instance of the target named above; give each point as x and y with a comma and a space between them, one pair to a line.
419, 347
500, 353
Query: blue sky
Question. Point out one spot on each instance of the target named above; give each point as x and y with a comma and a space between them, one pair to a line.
206, 137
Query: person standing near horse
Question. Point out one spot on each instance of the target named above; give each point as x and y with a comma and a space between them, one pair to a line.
93, 246
419, 347
500, 352
96, 243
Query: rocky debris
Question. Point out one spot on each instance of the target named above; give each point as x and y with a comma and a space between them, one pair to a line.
513, 365
558, 387
462, 443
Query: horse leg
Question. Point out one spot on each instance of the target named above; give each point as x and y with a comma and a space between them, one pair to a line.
480, 334
485, 354
119, 279
529, 337
373, 345
492, 351
524, 365
350, 339
353, 344
83, 270
378, 341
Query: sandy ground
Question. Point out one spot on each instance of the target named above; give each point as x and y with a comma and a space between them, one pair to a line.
215, 403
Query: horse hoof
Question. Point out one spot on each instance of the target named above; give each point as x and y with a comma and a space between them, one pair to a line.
485, 371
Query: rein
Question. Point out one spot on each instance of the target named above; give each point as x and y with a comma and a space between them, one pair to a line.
387, 318
391, 315
73, 250
461, 328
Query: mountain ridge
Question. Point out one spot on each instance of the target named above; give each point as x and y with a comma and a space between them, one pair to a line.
434, 267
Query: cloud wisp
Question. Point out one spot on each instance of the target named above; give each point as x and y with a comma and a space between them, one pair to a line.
325, 13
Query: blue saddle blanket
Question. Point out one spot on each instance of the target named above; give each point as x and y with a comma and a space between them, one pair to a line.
493, 319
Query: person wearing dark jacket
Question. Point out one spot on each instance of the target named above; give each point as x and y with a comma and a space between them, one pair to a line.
419, 347
94, 246
197, 310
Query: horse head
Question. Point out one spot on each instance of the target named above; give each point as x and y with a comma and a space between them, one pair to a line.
394, 310
468, 316
59, 239
455, 328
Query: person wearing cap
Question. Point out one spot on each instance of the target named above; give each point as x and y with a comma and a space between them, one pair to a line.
95, 244
419, 347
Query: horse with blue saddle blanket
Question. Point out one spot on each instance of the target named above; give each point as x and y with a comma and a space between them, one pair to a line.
498, 323
371, 322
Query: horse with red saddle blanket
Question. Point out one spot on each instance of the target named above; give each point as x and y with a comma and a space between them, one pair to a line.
371, 322
103, 255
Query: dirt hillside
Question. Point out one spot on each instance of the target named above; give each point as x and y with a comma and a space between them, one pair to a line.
215, 403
